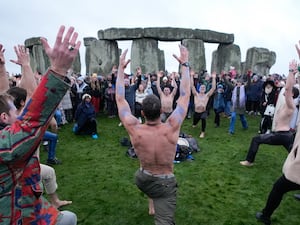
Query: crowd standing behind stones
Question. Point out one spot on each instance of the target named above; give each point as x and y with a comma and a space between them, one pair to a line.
101, 88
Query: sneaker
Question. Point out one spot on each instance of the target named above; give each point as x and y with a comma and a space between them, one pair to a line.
140, 120
246, 163
95, 136
120, 124
202, 135
260, 217
54, 161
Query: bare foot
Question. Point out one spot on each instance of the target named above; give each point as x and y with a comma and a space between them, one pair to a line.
151, 207
59, 203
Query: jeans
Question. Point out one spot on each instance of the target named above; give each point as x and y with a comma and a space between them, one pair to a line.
68, 218
52, 140
233, 119
227, 108
58, 117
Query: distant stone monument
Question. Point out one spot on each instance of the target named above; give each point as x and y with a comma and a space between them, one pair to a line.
103, 53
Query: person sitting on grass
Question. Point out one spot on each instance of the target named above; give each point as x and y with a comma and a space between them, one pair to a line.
85, 118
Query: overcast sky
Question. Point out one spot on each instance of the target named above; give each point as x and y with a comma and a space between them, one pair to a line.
270, 24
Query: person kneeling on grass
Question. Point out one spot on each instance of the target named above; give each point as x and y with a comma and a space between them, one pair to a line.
85, 117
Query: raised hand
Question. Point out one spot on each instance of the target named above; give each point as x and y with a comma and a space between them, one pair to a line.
184, 55
2, 59
23, 57
64, 51
123, 62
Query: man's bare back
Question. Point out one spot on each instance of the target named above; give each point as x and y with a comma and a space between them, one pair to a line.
155, 147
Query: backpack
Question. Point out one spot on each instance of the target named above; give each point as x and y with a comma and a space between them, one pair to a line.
183, 150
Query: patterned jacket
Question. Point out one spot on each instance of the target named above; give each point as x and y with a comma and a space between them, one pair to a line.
21, 200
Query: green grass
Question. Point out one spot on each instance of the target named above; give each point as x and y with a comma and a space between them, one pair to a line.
213, 189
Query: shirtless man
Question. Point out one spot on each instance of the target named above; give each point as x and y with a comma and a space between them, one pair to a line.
155, 142
166, 96
200, 102
281, 135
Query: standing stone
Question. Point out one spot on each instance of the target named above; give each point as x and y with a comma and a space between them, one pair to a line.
102, 55
196, 53
146, 54
87, 43
225, 57
260, 60
39, 60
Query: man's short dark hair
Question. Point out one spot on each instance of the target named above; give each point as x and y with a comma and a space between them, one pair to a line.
151, 107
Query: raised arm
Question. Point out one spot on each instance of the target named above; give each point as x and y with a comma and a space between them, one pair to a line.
193, 88
213, 86
290, 81
31, 125
123, 107
28, 80
178, 115
4, 83
159, 76
174, 85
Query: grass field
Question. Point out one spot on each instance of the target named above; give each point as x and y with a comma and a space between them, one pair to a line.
213, 189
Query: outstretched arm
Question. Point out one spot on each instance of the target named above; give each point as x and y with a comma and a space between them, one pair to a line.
180, 111
31, 125
290, 81
4, 84
159, 76
123, 107
174, 85
214, 84
28, 80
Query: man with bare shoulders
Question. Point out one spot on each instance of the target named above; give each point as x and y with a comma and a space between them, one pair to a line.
166, 96
155, 142
200, 101
281, 135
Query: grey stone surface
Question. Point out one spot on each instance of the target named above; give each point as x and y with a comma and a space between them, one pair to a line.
259, 60
101, 56
39, 61
196, 53
165, 34
146, 54
226, 56
102, 53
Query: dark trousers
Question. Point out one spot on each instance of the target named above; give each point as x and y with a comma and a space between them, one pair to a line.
280, 187
217, 117
285, 138
90, 127
200, 116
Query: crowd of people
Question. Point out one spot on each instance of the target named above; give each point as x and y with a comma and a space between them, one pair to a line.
151, 107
